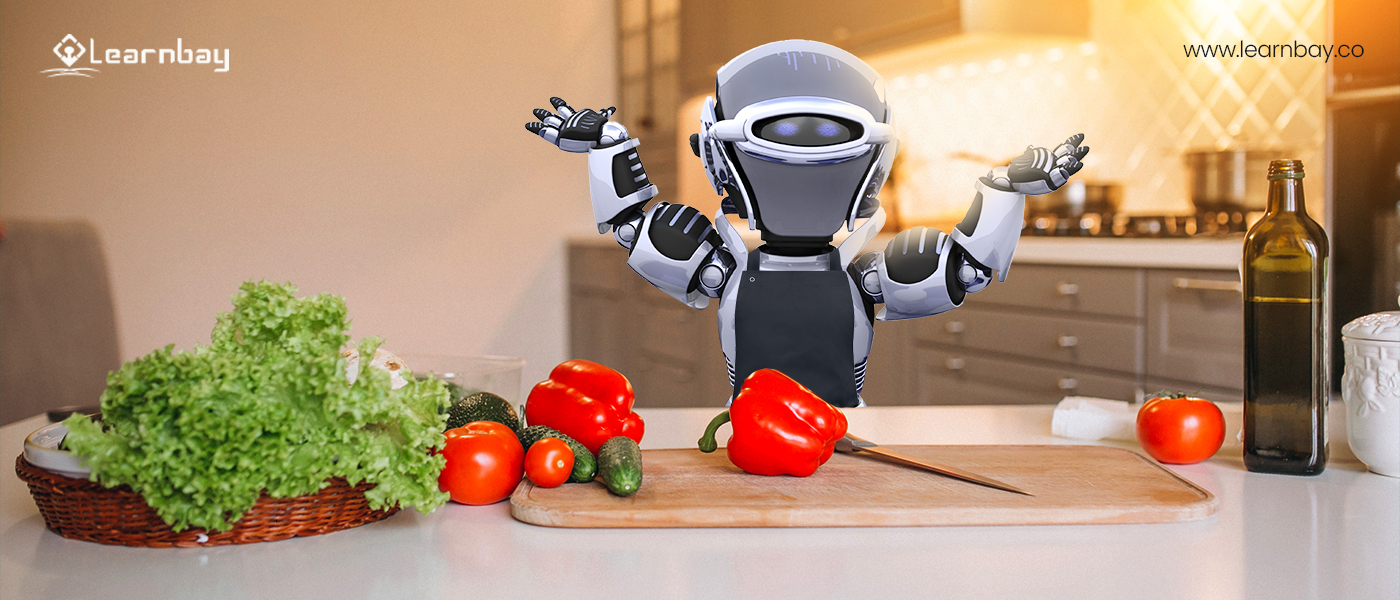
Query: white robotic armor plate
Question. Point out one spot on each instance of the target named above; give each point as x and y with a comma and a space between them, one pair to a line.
614, 183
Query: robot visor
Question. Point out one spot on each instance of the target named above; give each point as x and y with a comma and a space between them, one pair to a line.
807, 130
803, 130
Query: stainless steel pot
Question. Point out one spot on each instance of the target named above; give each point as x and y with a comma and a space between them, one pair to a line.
1229, 181
1078, 198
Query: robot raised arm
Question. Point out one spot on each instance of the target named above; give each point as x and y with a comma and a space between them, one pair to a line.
616, 180
990, 230
672, 246
925, 272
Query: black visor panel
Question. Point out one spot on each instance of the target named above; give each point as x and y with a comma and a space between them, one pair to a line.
808, 130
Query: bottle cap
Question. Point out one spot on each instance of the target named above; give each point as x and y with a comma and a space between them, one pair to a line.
1285, 169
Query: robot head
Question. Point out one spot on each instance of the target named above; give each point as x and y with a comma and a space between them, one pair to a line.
800, 137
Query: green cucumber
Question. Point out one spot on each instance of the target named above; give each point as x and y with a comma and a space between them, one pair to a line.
620, 465
584, 465
483, 406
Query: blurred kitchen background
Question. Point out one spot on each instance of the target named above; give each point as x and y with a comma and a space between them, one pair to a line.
376, 151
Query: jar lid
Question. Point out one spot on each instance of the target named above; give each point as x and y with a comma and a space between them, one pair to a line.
1381, 327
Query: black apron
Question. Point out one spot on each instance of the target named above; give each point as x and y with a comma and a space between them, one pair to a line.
801, 323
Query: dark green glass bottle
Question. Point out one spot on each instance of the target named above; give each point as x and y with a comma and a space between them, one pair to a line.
1285, 333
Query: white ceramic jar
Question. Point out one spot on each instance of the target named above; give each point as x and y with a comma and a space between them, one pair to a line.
1371, 390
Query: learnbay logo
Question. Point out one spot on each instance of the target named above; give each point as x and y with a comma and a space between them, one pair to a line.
70, 51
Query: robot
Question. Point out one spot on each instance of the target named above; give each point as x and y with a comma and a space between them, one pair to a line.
799, 139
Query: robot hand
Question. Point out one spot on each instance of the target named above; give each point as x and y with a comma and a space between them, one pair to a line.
1039, 171
577, 131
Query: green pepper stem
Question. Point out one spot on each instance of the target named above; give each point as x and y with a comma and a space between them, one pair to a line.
707, 441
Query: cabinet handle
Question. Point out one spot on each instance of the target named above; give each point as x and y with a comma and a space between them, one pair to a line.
955, 327
1065, 288
1068, 341
1213, 285
1068, 383
955, 364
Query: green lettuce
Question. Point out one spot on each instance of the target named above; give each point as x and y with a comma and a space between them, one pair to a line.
266, 406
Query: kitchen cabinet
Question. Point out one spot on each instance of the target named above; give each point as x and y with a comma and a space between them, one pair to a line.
714, 32
1195, 329
1049, 331
669, 352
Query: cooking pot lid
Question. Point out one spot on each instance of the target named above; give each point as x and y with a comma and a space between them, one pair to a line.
1381, 326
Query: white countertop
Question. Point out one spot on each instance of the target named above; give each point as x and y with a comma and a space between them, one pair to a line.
1184, 253
1336, 535
1163, 253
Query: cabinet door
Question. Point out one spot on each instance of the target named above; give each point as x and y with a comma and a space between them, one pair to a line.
1195, 328
598, 331
598, 316
949, 376
1108, 291
1097, 343
675, 354
887, 371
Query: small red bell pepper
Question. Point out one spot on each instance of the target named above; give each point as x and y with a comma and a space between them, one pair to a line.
586, 401
780, 427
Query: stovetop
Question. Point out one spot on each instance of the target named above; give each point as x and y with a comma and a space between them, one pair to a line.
1111, 225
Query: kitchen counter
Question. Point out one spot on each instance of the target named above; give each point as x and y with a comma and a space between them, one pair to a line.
1214, 253
1336, 535
1222, 253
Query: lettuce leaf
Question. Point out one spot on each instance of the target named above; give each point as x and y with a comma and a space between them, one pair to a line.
266, 406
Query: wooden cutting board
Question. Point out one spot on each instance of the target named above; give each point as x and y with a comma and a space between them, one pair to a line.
1071, 485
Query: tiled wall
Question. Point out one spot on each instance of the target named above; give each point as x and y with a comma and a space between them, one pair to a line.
1129, 87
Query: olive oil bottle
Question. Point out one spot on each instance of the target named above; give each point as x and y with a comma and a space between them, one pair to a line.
1285, 333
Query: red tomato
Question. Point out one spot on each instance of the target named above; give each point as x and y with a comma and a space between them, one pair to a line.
549, 462
1178, 430
484, 463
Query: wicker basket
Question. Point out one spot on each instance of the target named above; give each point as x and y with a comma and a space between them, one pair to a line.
84, 510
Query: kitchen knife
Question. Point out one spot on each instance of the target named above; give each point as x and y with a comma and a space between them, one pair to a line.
854, 445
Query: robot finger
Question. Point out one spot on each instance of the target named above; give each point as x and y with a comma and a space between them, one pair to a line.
562, 107
1070, 146
1074, 168
1066, 161
550, 134
548, 118
1060, 175
608, 112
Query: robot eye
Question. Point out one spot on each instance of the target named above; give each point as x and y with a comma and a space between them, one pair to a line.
808, 130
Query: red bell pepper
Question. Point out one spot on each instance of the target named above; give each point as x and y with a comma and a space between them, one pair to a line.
780, 427
586, 401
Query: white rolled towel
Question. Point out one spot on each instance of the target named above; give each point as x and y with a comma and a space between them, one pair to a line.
1085, 418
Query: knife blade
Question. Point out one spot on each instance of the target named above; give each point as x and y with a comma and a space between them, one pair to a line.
854, 445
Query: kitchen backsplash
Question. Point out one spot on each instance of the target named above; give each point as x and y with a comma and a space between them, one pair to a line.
966, 101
